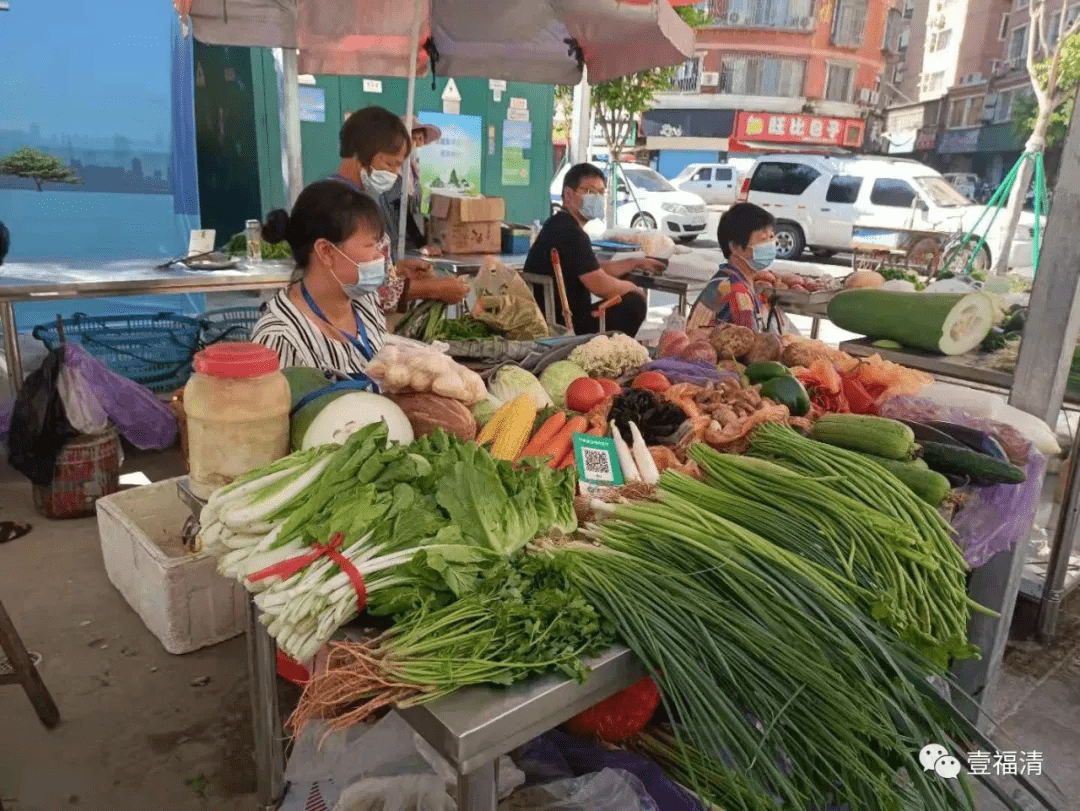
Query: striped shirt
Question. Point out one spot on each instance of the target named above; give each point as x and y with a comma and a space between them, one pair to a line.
299, 342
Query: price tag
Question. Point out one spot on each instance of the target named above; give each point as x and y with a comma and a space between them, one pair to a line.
597, 460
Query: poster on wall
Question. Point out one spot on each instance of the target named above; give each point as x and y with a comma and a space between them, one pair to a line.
517, 138
453, 162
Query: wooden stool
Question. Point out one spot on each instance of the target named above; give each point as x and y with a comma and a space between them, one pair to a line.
25, 672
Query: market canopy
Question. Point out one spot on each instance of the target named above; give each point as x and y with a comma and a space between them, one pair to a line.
543, 41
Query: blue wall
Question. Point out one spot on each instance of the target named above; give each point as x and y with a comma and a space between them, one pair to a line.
673, 161
108, 93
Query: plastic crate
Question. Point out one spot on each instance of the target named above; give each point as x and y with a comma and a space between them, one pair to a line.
180, 597
153, 350
229, 324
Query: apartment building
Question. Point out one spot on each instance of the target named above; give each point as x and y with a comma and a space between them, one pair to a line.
774, 75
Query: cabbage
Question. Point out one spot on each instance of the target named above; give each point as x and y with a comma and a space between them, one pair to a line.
511, 381
556, 379
484, 410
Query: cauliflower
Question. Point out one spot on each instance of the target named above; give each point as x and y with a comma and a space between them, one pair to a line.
609, 357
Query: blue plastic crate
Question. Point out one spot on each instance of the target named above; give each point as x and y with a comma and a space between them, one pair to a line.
230, 324
153, 350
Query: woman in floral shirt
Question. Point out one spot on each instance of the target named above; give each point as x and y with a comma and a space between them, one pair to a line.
746, 237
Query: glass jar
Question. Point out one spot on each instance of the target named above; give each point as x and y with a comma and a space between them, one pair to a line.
253, 231
237, 405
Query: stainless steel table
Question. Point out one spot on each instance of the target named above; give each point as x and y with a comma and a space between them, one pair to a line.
39, 281
471, 728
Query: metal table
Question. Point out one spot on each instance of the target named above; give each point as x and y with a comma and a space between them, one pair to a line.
38, 281
471, 728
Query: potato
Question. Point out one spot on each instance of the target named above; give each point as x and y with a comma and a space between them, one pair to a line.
731, 341
766, 347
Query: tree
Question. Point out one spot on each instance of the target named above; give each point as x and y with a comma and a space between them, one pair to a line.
1054, 70
454, 178
38, 166
618, 103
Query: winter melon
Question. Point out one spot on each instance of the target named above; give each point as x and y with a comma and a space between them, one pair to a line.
333, 417
303, 380
949, 323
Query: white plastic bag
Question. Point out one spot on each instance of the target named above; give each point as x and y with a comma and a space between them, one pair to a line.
606, 790
84, 410
404, 365
412, 792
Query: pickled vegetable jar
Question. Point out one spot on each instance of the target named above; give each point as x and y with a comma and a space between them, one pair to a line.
237, 405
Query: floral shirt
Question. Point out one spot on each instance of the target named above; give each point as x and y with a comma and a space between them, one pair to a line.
730, 298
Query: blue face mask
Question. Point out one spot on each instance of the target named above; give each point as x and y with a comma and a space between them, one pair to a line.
764, 255
370, 276
592, 206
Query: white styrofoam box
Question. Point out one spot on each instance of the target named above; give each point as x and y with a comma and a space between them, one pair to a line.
181, 598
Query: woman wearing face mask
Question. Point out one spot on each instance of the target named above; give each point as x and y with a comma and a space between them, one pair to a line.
331, 316
374, 143
746, 237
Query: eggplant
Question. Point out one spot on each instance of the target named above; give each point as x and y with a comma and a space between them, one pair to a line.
924, 432
972, 438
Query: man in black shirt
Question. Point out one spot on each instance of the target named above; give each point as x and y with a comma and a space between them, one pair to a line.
585, 276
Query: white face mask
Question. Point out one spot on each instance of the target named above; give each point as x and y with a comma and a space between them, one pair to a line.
369, 276
592, 206
378, 181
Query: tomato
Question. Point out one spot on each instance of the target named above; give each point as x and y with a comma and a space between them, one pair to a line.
610, 387
584, 394
651, 381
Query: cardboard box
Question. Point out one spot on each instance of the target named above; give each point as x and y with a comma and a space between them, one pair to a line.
461, 224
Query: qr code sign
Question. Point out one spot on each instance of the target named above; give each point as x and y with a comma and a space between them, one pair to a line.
597, 465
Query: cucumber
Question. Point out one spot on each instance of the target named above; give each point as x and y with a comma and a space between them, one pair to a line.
874, 435
972, 438
981, 469
949, 323
929, 485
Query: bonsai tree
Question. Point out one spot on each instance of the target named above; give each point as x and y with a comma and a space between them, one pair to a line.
38, 166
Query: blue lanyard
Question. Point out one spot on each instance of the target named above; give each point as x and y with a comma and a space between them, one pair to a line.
361, 341
348, 182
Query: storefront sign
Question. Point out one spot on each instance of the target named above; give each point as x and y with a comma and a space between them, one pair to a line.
925, 140
799, 129
902, 120
687, 123
955, 142
516, 141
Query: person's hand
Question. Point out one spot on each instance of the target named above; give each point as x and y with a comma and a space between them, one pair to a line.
651, 265
452, 291
415, 269
431, 250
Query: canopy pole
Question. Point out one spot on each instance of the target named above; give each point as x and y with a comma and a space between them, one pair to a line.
580, 125
292, 161
410, 104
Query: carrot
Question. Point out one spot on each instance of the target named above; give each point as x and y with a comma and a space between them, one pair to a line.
596, 432
564, 440
544, 435
567, 460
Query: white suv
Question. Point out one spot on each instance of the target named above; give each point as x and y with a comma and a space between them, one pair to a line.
648, 201
817, 200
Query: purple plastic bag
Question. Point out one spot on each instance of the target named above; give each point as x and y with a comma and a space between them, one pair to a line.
993, 519
139, 416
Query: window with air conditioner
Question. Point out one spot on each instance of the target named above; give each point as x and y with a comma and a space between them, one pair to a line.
790, 14
762, 76
849, 23
840, 82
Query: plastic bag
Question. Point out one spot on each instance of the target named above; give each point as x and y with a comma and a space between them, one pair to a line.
39, 425
82, 406
653, 243
506, 303
993, 519
405, 793
413, 366
607, 790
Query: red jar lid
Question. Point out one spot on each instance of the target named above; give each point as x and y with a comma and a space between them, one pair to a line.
236, 360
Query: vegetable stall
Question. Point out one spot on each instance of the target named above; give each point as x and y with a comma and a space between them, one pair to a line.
775, 533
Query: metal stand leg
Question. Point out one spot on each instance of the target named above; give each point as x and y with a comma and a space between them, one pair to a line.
11, 346
477, 790
269, 749
815, 324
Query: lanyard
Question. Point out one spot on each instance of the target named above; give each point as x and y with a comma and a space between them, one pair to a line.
361, 341
348, 183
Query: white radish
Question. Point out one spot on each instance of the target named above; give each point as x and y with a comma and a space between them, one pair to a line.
645, 464
630, 472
